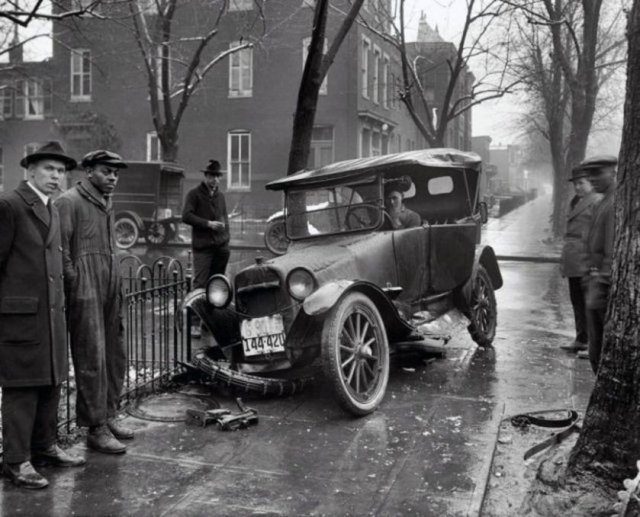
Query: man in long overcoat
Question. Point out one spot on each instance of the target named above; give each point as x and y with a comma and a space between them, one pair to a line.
600, 240
573, 264
33, 337
92, 284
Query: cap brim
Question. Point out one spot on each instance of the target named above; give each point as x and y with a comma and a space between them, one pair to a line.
69, 162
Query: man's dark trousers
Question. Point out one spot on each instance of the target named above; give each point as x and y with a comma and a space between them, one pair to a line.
29, 421
207, 262
576, 294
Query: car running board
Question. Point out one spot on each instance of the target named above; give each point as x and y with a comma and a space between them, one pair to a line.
432, 344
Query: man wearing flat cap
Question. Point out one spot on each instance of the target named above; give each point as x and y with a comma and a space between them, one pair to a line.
92, 285
600, 239
33, 335
205, 211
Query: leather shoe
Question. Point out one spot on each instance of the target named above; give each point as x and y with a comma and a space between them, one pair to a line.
120, 431
583, 354
576, 346
100, 439
57, 457
24, 475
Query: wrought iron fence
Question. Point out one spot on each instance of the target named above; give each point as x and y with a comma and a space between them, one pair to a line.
153, 328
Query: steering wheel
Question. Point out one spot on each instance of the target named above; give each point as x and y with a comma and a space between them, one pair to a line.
359, 217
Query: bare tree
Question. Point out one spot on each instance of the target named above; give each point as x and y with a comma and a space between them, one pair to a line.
164, 53
565, 53
23, 12
316, 67
420, 61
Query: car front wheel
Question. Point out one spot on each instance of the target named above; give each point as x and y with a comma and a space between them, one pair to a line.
127, 232
483, 310
355, 354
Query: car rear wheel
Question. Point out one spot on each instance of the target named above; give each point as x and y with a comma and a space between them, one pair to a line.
127, 232
275, 238
483, 310
355, 354
157, 233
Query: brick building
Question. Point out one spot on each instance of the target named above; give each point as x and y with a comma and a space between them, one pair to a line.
93, 92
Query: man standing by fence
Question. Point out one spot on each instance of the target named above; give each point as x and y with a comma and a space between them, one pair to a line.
33, 338
92, 284
206, 211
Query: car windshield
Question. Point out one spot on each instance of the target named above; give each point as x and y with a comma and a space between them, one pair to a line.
333, 209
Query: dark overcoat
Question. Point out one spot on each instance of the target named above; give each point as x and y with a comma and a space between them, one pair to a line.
33, 335
200, 207
574, 252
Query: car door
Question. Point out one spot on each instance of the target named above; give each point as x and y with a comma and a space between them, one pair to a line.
411, 250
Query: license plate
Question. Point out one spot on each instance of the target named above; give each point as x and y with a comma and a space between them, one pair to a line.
261, 336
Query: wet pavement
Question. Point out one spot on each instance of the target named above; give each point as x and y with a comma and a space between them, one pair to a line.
426, 451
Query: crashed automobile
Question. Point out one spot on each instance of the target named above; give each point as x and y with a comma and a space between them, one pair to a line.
351, 290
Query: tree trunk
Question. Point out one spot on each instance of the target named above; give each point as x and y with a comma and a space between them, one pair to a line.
308, 93
609, 443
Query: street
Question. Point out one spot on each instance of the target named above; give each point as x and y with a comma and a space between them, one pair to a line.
426, 451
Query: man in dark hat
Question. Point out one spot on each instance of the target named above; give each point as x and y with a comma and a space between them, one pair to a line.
92, 284
33, 335
205, 211
600, 239
573, 262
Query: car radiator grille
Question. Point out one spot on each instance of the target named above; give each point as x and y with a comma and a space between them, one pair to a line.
260, 292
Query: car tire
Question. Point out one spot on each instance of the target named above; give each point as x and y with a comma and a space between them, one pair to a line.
357, 374
126, 232
157, 234
483, 310
275, 238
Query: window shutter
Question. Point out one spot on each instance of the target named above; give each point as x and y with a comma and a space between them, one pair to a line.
19, 98
48, 97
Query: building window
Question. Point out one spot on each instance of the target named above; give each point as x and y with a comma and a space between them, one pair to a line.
385, 82
305, 52
321, 152
1, 170
33, 99
376, 74
80, 75
28, 149
364, 67
6, 101
241, 72
241, 5
376, 148
154, 149
365, 144
239, 160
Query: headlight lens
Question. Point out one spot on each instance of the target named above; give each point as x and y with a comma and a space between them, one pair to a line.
219, 291
300, 283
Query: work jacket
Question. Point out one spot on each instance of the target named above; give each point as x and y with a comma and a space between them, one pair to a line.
33, 335
600, 237
574, 252
200, 207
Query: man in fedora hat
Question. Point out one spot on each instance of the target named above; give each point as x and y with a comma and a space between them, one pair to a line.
205, 211
573, 262
600, 239
92, 283
33, 335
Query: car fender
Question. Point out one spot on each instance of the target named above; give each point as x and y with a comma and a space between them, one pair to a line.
486, 257
327, 296
129, 213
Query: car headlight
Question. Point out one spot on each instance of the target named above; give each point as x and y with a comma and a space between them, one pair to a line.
219, 291
300, 283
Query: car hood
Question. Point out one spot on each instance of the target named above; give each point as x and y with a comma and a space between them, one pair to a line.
367, 256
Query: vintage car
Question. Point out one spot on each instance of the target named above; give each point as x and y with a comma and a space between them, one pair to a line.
350, 290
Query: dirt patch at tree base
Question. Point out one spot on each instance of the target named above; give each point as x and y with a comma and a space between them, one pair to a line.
537, 486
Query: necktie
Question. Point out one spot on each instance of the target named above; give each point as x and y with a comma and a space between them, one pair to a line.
49, 217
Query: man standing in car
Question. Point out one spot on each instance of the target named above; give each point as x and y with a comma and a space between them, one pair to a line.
92, 284
205, 211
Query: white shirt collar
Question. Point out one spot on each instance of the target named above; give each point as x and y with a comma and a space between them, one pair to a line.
43, 197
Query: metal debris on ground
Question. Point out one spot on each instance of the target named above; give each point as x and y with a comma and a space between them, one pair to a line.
224, 418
